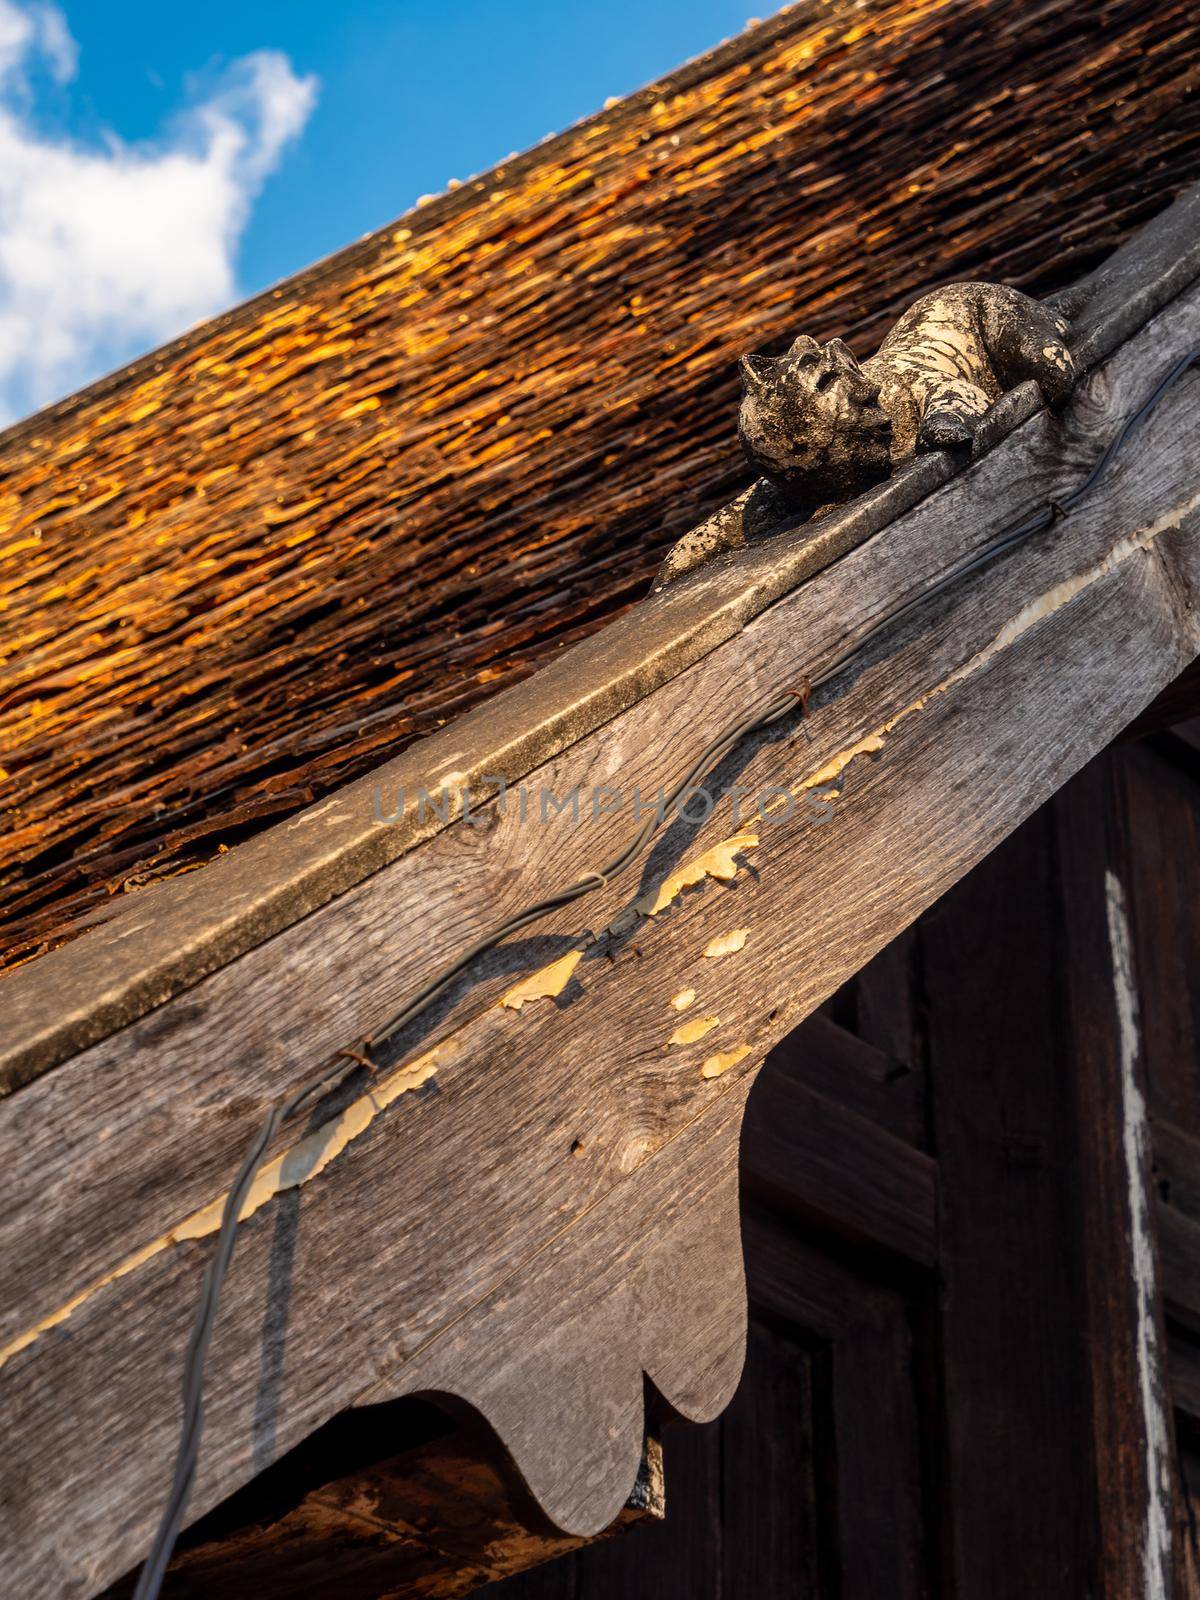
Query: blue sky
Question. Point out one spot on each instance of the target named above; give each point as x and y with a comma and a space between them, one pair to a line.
158, 162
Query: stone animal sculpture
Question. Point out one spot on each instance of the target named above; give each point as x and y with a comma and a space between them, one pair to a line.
821, 427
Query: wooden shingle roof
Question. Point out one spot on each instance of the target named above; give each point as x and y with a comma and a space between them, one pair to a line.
249, 567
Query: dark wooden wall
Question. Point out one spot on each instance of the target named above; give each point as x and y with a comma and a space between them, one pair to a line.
944, 1394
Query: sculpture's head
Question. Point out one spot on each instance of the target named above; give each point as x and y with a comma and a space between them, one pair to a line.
811, 423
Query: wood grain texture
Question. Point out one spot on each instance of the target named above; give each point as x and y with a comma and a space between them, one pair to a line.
315, 529
853, 1073
1161, 878
997, 1337
1175, 709
525, 1228
1179, 1246
1177, 1165
657, 1285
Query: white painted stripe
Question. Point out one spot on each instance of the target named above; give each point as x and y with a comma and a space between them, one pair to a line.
1156, 1554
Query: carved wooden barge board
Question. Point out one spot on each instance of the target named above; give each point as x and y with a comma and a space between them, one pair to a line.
173, 934
545, 1208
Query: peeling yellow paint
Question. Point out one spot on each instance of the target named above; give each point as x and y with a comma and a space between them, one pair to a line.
689, 1032
316, 1150
714, 1066
718, 862
868, 746
545, 984
871, 744
310, 1156
726, 944
683, 999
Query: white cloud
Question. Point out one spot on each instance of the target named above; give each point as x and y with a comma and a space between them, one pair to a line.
107, 250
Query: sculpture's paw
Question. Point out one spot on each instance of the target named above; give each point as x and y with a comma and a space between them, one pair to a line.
1033, 346
945, 430
1056, 371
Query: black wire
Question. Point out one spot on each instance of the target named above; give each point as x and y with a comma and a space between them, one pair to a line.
772, 709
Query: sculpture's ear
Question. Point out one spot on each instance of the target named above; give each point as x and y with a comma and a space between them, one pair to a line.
841, 354
757, 370
803, 345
